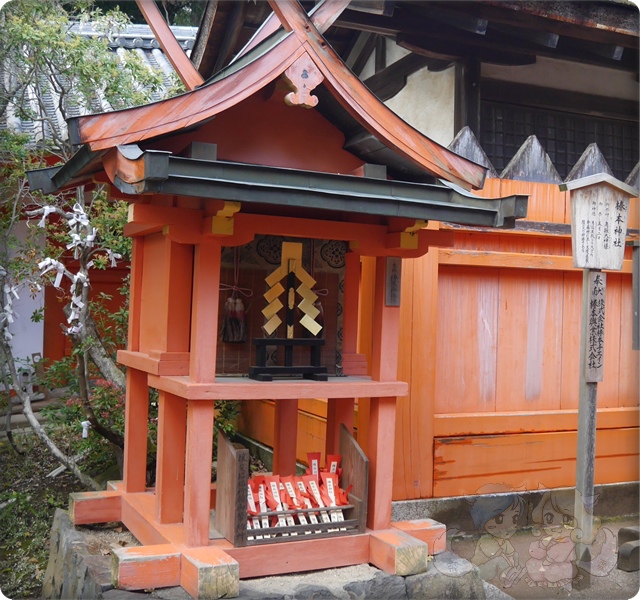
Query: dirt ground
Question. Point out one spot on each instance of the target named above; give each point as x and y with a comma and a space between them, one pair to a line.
605, 582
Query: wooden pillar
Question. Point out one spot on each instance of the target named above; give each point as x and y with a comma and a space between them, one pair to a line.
135, 431
285, 436
386, 320
172, 421
382, 424
135, 293
200, 413
365, 338
178, 281
351, 301
382, 411
341, 410
137, 393
204, 311
197, 479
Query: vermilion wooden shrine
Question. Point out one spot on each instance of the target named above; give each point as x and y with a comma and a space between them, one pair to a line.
232, 184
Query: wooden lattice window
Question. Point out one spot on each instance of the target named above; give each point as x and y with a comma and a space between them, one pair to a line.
564, 136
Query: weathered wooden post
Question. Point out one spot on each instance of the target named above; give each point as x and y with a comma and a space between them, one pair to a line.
599, 212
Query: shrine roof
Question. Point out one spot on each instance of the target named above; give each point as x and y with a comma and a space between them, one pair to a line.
295, 50
388, 135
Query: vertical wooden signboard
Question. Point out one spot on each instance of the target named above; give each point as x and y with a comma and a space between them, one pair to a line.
599, 213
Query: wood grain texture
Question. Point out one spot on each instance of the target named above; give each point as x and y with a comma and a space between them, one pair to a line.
300, 556
136, 431
141, 567
530, 460
398, 553
95, 507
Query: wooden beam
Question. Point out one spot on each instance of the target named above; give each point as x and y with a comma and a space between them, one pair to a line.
170, 46
512, 260
459, 20
241, 389
463, 424
533, 95
322, 15
231, 34
389, 81
365, 52
448, 47
140, 567
540, 37
204, 32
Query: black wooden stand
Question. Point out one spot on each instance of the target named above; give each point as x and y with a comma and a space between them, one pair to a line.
262, 372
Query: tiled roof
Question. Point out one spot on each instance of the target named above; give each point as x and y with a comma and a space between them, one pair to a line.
136, 38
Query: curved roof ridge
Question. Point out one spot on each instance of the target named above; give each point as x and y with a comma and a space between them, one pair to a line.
103, 131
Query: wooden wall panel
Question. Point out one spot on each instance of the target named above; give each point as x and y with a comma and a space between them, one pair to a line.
629, 366
539, 421
530, 334
530, 460
547, 203
257, 421
608, 389
467, 339
571, 314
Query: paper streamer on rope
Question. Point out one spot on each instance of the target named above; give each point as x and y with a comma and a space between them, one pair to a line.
49, 264
46, 211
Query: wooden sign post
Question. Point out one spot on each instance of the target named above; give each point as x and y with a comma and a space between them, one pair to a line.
599, 212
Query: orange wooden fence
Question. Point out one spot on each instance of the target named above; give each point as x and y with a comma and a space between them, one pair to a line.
489, 344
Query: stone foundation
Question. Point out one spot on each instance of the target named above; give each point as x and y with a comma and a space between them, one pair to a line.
79, 569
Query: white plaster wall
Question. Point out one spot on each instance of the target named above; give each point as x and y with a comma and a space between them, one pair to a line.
427, 103
571, 76
28, 337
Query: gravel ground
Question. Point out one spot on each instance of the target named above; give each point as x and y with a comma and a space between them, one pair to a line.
611, 584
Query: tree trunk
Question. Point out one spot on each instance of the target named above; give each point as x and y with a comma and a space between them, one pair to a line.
25, 399
88, 336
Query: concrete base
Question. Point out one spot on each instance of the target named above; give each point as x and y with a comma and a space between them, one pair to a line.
613, 501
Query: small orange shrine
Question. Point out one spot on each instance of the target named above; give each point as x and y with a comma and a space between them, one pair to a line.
234, 186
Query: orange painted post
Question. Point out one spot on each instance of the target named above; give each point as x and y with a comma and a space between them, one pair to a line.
135, 286
204, 317
386, 320
382, 411
197, 480
339, 410
200, 413
172, 422
178, 282
350, 304
285, 436
365, 328
136, 430
382, 423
